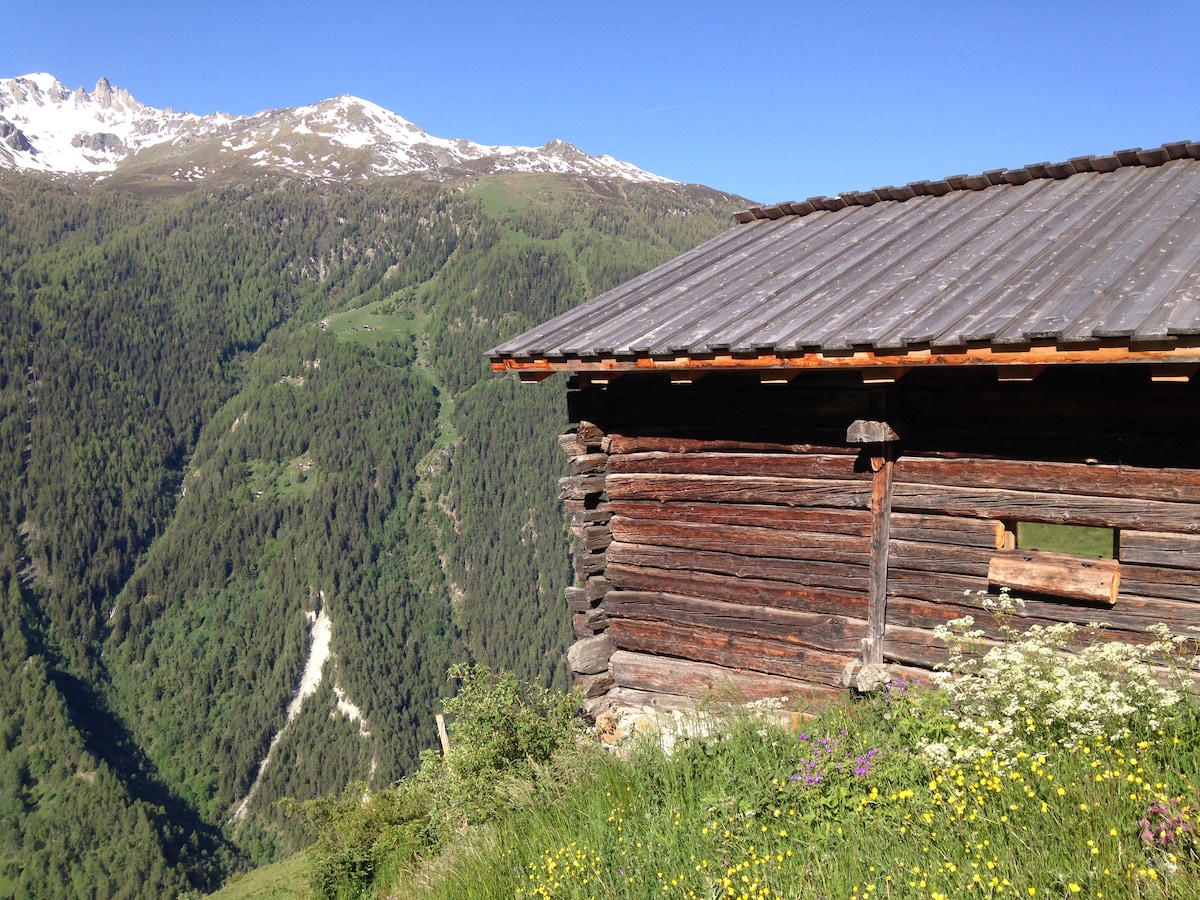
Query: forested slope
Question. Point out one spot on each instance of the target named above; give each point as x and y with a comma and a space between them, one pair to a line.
224, 411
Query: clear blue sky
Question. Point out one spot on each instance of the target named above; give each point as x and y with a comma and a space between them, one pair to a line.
771, 100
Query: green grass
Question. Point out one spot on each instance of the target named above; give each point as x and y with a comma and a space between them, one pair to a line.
284, 880
880, 797
295, 478
1076, 540
377, 323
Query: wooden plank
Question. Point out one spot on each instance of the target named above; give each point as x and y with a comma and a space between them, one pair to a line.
1035, 506
749, 540
732, 651
731, 489
1155, 548
703, 681
1129, 482
958, 530
1056, 575
830, 521
821, 631
791, 571
763, 465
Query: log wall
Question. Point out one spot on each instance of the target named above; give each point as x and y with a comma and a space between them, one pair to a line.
725, 527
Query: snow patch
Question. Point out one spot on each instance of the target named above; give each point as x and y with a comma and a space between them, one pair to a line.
320, 633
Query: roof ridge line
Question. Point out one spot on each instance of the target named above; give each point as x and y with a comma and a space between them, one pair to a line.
1155, 156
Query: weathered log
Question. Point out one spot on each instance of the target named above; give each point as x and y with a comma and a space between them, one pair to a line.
1128, 621
588, 434
596, 587
786, 595
579, 625
596, 619
941, 558
788, 518
649, 443
577, 600
702, 681
747, 539
792, 571
570, 445
1175, 584
594, 685
960, 530
762, 465
822, 631
1125, 482
1057, 575
590, 511
1035, 506
741, 489
594, 537
589, 463
589, 564
873, 431
590, 655
578, 487
629, 698
729, 650
1157, 549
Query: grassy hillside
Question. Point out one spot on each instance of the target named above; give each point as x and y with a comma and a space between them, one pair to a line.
229, 410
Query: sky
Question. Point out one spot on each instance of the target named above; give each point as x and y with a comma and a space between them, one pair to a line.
772, 101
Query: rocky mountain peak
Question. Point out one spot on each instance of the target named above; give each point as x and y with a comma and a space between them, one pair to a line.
45, 126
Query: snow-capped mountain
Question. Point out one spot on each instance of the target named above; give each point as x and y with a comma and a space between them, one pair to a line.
46, 126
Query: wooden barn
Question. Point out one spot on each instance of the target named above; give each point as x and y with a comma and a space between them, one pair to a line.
800, 445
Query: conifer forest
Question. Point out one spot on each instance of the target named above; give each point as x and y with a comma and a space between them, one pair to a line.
235, 417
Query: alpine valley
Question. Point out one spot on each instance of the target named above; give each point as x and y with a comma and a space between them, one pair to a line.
258, 487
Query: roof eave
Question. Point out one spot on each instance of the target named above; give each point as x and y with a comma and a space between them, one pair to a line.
1179, 352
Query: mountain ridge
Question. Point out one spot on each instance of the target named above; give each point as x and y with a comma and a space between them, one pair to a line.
45, 126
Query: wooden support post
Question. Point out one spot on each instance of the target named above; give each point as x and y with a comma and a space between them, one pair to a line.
878, 437
881, 515
443, 735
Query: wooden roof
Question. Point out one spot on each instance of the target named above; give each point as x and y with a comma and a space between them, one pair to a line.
1094, 260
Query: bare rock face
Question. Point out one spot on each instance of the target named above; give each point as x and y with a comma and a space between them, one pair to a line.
104, 142
14, 137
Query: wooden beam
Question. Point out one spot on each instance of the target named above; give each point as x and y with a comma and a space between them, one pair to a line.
883, 374
533, 377
1018, 373
1173, 373
1183, 350
1057, 575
